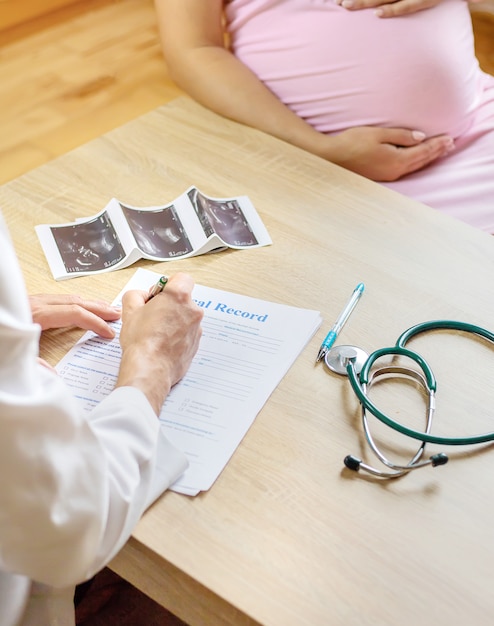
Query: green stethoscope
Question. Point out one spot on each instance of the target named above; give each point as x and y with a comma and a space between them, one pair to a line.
356, 364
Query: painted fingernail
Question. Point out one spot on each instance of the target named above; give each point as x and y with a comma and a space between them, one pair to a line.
418, 135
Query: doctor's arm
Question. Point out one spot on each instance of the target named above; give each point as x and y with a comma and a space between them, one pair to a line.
159, 338
192, 36
74, 484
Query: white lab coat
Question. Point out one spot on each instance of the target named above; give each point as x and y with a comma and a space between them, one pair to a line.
72, 486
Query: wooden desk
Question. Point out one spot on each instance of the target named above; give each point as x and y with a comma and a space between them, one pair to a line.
286, 536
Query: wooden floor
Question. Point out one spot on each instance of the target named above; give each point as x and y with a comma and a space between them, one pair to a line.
75, 75
78, 73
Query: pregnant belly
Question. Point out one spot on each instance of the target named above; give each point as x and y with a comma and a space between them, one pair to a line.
339, 69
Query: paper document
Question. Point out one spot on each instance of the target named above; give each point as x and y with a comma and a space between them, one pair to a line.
122, 234
246, 348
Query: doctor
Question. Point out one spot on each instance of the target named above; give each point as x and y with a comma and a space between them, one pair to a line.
73, 486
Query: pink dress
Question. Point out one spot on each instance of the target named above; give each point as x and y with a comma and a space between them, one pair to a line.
338, 69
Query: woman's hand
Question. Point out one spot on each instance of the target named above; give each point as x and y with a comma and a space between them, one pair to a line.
60, 311
385, 154
389, 9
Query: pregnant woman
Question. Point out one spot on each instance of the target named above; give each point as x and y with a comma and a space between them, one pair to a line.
398, 99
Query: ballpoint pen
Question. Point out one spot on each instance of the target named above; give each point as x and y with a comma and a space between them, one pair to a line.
340, 322
157, 288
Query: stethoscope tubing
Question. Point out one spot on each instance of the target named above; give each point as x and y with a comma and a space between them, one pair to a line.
442, 325
358, 382
398, 470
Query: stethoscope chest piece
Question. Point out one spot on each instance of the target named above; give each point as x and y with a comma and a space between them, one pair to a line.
338, 358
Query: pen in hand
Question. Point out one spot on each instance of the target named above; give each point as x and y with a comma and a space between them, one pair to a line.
340, 322
157, 288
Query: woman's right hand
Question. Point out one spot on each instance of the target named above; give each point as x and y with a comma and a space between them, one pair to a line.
384, 154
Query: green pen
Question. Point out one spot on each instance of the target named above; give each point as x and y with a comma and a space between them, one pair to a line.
158, 287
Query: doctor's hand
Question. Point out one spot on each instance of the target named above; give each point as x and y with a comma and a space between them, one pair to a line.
386, 154
60, 311
384, 8
159, 338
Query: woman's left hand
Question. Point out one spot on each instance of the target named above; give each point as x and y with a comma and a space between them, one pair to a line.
60, 311
384, 8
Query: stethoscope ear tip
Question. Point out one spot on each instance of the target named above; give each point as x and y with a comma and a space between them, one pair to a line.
352, 462
355, 464
439, 459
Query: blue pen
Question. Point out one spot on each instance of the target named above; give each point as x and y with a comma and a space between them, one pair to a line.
340, 322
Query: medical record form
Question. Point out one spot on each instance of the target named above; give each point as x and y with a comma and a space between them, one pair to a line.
246, 348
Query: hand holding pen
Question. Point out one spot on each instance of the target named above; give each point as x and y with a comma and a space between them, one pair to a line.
340, 322
159, 336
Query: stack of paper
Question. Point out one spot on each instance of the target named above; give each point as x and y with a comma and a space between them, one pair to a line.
247, 347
